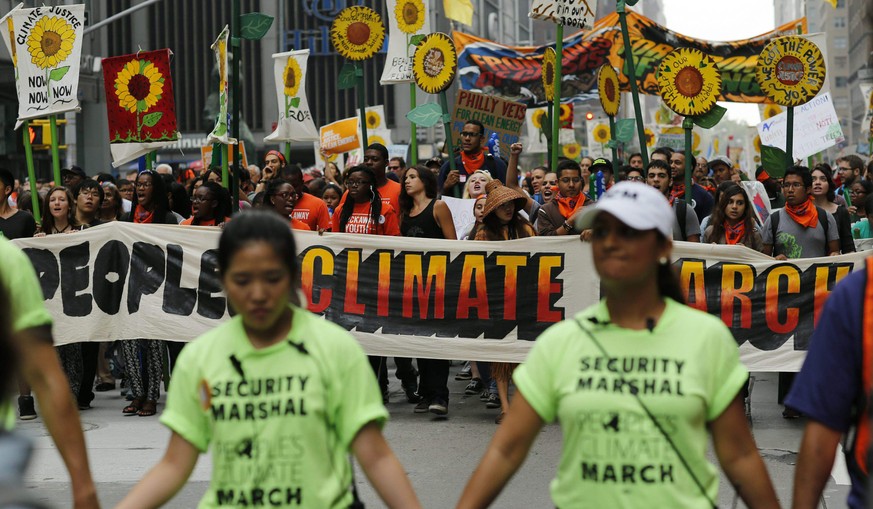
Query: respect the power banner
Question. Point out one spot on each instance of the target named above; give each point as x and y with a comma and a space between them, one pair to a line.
515, 72
416, 297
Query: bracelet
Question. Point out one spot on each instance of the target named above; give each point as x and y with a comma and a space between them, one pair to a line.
568, 227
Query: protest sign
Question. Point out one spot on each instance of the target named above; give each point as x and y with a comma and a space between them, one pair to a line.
500, 116
46, 46
220, 132
816, 127
406, 19
295, 119
535, 142
415, 297
462, 214
575, 13
206, 155
515, 72
867, 122
340, 136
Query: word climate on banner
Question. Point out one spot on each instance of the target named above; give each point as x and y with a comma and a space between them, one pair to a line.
46, 46
506, 118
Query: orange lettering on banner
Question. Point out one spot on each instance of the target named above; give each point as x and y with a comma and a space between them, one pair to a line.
546, 287
792, 314
435, 281
352, 306
822, 274
326, 259
510, 282
692, 277
383, 288
473, 273
731, 292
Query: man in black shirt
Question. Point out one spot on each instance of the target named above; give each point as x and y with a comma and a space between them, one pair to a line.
14, 223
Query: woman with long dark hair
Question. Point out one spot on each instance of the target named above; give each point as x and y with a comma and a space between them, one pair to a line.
363, 211
423, 215
278, 394
151, 201
638, 371
731, 220
210, 206
825, 198
280, 197
501, 221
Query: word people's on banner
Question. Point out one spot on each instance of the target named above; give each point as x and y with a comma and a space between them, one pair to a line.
515, 72
413, 297
506, 118
576, 13
46, 46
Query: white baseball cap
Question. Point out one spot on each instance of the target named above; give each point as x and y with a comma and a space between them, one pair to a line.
635, 204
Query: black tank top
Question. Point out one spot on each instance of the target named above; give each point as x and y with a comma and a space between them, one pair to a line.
423, 225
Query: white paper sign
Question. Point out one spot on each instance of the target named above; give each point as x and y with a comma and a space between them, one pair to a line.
413, 19
295, 119
816, 128
576, 13
46, 46
462, 214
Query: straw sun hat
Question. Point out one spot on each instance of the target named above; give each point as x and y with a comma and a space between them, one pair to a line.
498, 194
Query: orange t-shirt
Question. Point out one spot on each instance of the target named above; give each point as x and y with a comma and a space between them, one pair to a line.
299, 225
190, 222
390, 194
311, 211
362, 222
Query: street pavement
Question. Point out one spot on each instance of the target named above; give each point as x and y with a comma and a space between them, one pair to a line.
439, 454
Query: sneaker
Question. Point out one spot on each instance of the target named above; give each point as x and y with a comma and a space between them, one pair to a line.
466, 373
411, 391
421, 407
26, 410
790, 413
493, 401
483, 396
438, 407
474, 387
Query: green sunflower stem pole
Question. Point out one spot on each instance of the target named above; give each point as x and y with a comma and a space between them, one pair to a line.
614, 146
688, 125
362, 102
413, 137
556, 103
447, 126
31, 174
630, 70
789, 134
56, 158
236, 43
225, 166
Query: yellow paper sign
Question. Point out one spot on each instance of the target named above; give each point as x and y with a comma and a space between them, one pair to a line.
340, 136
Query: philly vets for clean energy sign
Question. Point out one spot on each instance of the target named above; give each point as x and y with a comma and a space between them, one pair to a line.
45, 44
500, 116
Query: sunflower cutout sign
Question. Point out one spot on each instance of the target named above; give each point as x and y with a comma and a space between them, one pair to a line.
608, 89
46, 46
139, 97
549, 58
377, 128
435, 63
295, 118
791, 70
219, 133
408, 23
357, 33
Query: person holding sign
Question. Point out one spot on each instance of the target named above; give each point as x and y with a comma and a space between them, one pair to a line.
278, 394
637, 370
472, 157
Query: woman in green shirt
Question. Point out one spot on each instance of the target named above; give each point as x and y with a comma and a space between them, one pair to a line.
637, 382
280, 395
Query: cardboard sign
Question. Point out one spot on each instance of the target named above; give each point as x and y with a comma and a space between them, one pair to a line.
206, 155
500, 116
340, 137
575, 13
816, 128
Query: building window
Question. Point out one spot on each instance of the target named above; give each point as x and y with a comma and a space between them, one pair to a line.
840, 42
841, 103
840, 61
841, 81
840, 22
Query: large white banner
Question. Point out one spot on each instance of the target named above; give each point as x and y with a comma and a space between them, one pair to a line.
416, 297
46, 45
295, 119
408, 21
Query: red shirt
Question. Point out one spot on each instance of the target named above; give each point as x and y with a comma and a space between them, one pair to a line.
311, 211
361, 221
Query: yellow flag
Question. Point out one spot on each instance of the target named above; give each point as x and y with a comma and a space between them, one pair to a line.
832, 2
462, 10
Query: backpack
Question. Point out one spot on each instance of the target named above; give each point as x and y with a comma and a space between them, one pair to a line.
822, 218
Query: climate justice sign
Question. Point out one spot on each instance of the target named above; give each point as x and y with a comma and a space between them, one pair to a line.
415, 297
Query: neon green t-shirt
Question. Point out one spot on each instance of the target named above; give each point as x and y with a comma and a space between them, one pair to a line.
26, 300
686, 371
280, 434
